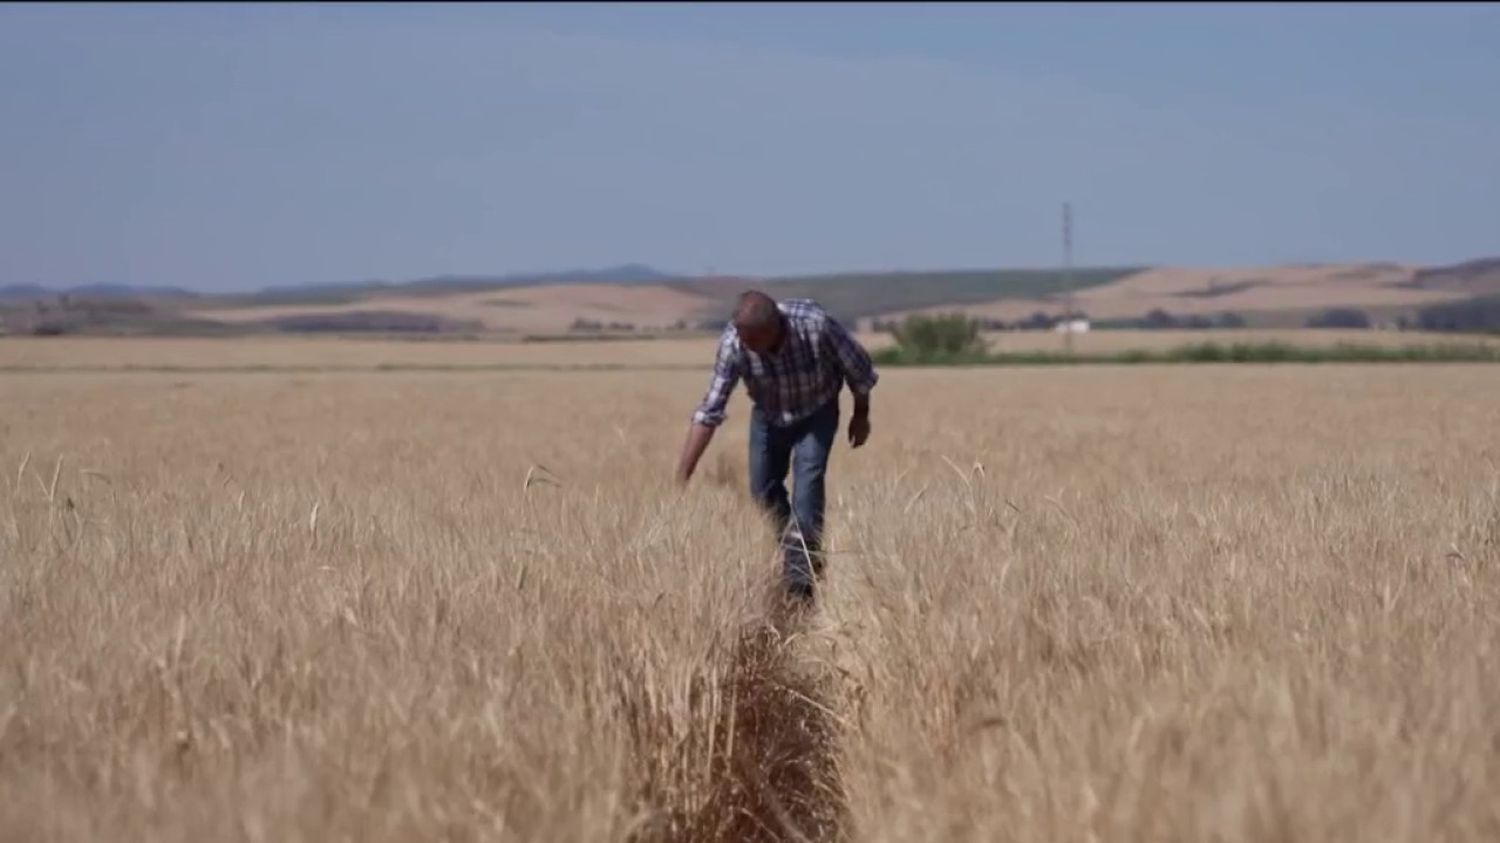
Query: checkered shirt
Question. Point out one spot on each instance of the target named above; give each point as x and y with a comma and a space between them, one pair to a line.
816, 358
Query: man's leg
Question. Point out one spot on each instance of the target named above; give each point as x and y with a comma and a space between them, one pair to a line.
810, 452
770, 455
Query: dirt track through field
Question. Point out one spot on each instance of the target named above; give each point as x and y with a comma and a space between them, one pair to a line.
760, 760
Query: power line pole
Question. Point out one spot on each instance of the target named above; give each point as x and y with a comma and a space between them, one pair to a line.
1067, 233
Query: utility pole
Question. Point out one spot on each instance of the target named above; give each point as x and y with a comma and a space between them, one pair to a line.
1067, 273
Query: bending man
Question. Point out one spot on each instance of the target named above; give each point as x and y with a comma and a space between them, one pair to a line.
794, 359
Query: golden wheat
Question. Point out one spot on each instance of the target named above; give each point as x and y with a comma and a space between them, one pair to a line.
1201, 603
695, 352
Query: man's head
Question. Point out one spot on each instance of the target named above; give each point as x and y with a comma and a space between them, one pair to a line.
758, 322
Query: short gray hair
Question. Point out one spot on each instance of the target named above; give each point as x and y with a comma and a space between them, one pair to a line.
756, 310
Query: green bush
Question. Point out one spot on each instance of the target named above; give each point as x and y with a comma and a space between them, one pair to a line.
1340, 317
947, 338
1264, 352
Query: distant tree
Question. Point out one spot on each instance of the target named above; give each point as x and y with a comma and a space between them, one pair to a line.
1159, 320
1230, 320
936, 337
1472, 315
1037, 321
1340, 317
366, 321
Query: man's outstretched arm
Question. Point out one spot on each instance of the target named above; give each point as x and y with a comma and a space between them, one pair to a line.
698, 438
710, 413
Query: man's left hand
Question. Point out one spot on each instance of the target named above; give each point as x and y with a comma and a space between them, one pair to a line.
859, 431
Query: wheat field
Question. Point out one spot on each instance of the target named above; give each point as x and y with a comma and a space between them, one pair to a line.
277, 353
1195, 603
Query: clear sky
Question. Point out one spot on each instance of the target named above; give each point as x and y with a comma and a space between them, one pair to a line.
234, 147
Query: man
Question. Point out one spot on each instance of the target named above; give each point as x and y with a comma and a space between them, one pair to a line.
794, 359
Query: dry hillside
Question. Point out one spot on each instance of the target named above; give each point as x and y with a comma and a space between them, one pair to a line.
1185, 290
1477, 277
542, 308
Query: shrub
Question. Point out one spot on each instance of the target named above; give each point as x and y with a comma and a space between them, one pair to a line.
1340, 317
1159, 320
1037, 321
50, 328
951, 336
1209, 352
380, 321
1477, 315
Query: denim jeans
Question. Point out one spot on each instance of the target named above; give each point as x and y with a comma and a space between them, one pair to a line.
798, 520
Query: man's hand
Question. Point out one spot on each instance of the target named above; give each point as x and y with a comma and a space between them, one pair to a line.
859, 430
697, 440
859, 423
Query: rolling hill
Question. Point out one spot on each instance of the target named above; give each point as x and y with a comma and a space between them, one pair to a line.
852, 296
635, 297
32, 292
1268, 294
439, 285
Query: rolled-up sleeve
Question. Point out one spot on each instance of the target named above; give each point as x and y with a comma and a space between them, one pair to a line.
859, 369
710, 412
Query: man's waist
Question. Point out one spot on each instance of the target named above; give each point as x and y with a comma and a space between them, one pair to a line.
784, 392
782, 413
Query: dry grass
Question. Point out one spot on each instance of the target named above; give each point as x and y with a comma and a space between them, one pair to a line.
1204, 603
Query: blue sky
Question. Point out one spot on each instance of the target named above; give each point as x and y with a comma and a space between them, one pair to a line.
234, 147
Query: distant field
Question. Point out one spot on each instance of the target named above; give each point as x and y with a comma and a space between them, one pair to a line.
340, 353
697, 351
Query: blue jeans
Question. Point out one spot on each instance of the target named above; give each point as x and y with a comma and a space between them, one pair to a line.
798, 521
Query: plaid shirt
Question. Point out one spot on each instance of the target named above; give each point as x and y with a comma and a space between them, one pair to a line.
816, 358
